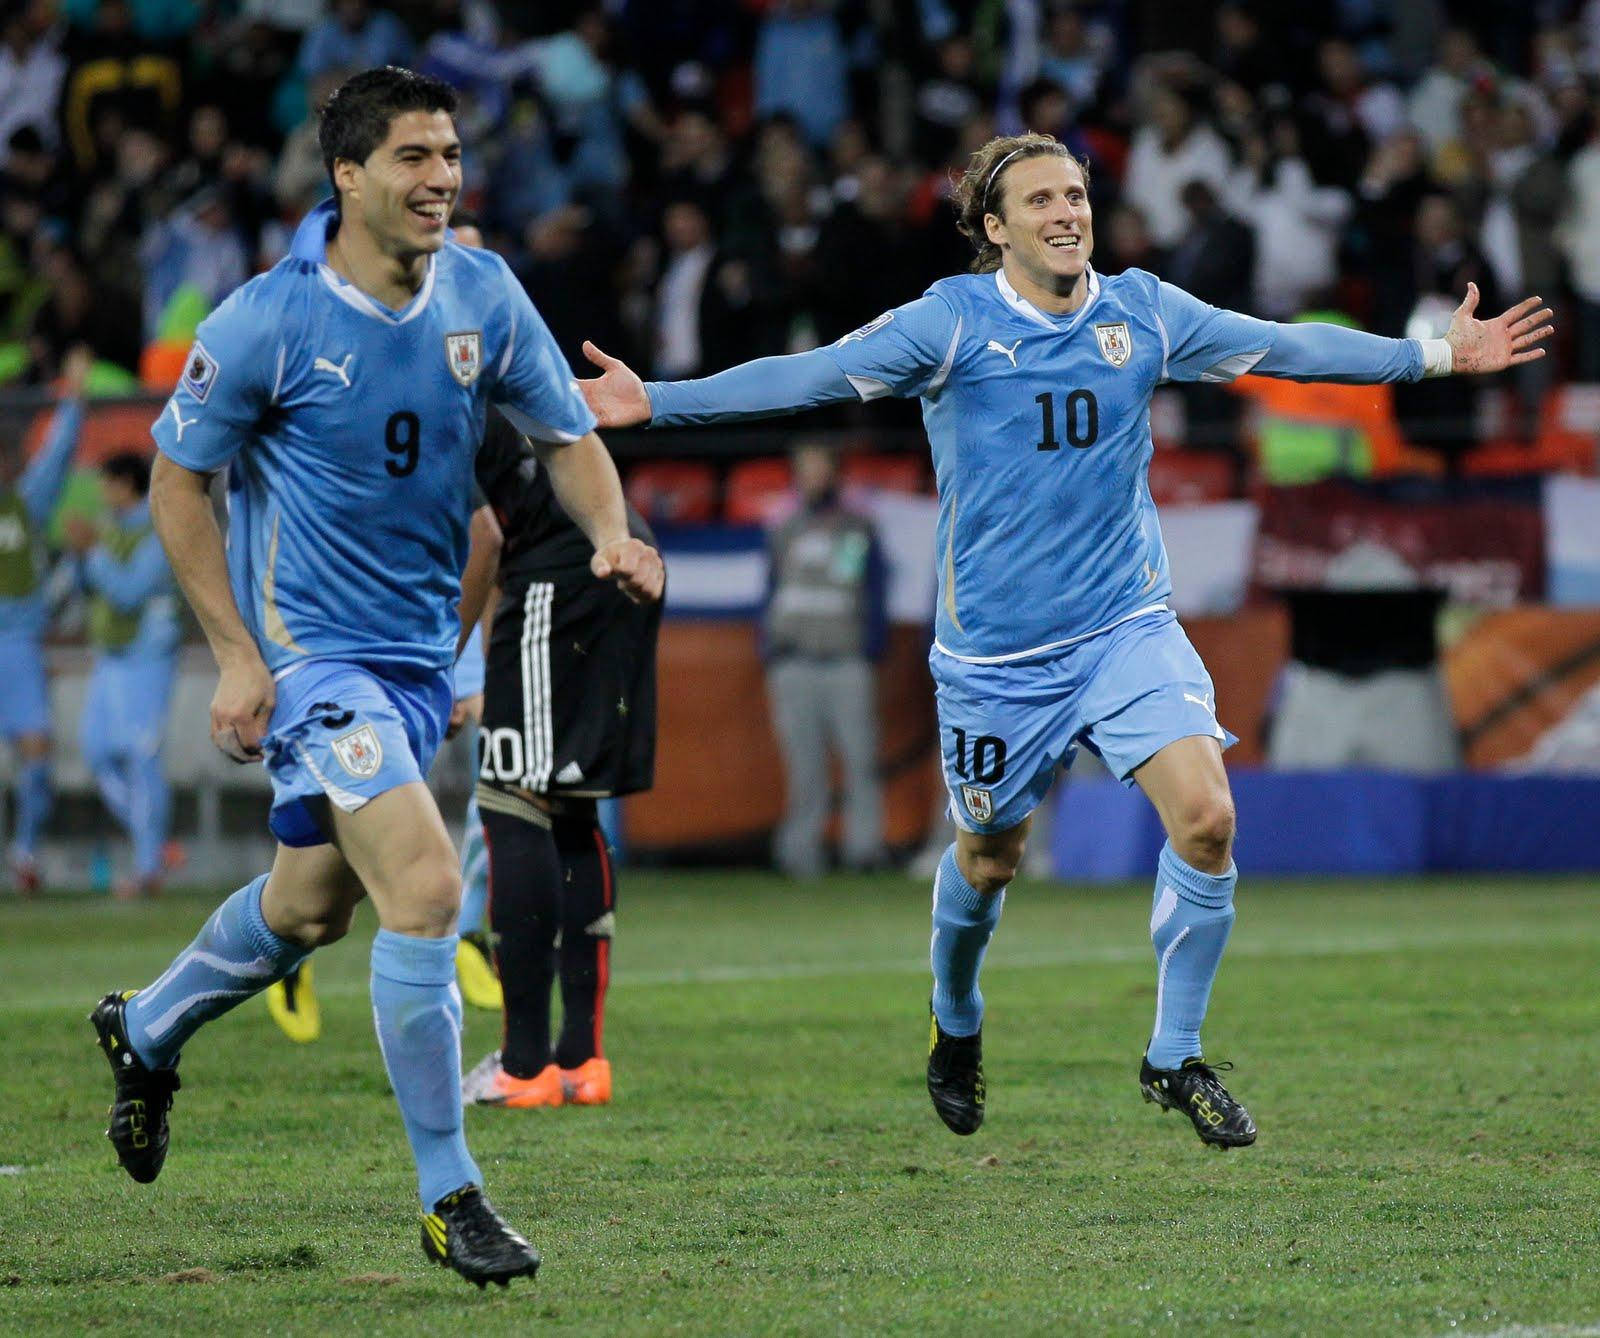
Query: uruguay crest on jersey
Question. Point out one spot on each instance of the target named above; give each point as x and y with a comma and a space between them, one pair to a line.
464, 353
1114, 343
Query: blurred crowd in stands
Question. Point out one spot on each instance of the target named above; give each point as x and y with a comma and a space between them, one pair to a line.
694, 182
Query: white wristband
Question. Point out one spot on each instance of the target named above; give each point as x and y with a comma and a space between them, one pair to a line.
1438, 358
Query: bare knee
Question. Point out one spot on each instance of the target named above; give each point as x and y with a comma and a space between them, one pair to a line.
426, 902
1203, 832
988, 870
321, 929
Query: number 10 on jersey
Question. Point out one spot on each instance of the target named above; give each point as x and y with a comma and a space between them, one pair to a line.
1081, 417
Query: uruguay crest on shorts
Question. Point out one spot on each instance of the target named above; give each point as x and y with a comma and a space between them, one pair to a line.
359, 752
464, 353
1114, 342
980, 803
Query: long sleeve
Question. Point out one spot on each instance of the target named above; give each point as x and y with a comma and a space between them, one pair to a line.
1206, 343
903, 352
1315, 351
763, 388
46, 474
128, 585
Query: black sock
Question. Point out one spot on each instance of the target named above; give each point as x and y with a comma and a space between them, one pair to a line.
588, 899
524, 915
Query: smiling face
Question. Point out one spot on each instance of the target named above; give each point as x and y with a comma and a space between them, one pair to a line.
1043, 225
402, 195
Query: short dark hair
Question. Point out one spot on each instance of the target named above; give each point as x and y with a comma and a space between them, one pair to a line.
355, 118
131, 467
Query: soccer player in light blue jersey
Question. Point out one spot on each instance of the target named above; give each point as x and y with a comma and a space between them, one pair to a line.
1052, 629
28, 497
133, 627
345, 392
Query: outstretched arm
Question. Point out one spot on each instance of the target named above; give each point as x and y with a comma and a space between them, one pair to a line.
906, 351
760, 389
1316, 352
1206, 343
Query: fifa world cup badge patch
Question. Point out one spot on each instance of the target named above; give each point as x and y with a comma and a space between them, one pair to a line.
359, 752
464, 353
1114, 341
980, 803
199, 372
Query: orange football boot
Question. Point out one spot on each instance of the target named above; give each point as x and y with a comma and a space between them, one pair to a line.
499, 1088
589, 1084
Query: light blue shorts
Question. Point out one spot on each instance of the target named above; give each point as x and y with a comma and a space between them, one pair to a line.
1125, 694
347, 734
24, 702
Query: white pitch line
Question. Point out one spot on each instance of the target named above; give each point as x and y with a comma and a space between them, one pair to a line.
1531, 1331
1302, 946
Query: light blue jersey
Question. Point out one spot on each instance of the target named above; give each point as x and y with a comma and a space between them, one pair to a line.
1040, 431
351, 432
1052, 629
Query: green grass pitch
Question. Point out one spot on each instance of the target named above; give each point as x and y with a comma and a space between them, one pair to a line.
1420, 1057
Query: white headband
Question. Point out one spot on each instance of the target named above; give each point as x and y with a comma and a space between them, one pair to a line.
999, 166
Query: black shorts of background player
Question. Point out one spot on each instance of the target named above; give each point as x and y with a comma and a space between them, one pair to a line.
569, 717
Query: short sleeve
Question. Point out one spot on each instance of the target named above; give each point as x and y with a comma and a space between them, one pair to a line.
535, 388
228, 380
1206, 343
905, 352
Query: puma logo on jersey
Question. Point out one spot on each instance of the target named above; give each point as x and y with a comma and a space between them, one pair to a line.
998, 347
1200, 701
335, 369
179, 419
1151, 576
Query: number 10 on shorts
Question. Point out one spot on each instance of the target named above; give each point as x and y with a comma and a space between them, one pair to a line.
987, 765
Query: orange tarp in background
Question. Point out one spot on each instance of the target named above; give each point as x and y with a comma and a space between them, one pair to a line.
718, 775
108, 429
1517, 673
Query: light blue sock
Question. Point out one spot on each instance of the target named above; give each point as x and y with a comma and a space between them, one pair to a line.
1189, 926
474, 873
233, 957
963, 923
33, 804
417, 1009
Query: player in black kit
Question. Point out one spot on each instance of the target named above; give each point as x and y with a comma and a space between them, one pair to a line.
569, 717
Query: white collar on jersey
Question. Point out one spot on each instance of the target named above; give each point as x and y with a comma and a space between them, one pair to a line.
311, 243
1025, 308
351, 295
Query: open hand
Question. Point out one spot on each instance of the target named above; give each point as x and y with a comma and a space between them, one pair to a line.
634, 566
1492, 346
241, 707
617, 396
